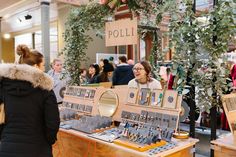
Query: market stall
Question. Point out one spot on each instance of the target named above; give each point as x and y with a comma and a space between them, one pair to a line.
122, 121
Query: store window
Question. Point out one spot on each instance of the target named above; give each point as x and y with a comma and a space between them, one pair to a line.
121, 49
142, 49
53, 42
23, 39
33, 40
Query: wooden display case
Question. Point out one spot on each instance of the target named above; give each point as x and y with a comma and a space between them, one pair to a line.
77, 144
73, 143
226, 145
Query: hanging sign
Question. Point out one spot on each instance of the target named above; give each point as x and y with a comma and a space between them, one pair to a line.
74, 2
121, 32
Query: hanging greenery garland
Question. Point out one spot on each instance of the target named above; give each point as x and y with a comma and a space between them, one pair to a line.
189, 39
79, 22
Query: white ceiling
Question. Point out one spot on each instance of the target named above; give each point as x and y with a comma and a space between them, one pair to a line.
6, 4
14, 14
9, 7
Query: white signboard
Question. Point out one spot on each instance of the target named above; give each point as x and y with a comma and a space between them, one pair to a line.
121, 32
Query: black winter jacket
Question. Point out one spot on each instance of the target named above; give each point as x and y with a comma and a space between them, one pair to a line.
122, 74
32, 116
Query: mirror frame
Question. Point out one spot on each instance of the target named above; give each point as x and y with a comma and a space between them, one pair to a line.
116, 104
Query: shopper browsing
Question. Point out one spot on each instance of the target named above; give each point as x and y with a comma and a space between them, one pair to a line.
31, 111
60, 81
143, 79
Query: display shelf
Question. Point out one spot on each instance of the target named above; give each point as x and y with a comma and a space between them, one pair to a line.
224, 146
138, 147
229, 101
154, 107
158, 121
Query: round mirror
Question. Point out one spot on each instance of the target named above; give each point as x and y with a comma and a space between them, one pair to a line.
107, 103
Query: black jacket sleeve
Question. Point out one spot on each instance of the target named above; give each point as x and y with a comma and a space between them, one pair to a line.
51, 116
114, 79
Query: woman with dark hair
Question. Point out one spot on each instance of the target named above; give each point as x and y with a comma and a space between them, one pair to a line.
142, 73
31, 110
93, 73
106, 74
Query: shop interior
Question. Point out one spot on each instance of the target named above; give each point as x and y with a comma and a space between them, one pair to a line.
195, 118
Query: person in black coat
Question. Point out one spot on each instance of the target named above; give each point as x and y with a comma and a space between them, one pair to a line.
123, 72
31, 110
106, 74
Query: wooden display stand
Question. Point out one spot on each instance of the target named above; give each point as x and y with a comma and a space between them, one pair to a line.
73, 143
226, 145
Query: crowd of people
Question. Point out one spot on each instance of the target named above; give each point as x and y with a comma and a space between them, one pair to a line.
124, 73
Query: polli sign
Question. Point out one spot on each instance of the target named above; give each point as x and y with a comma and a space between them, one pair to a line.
121, 32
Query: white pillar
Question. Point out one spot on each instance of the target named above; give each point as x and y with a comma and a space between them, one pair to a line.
45, 28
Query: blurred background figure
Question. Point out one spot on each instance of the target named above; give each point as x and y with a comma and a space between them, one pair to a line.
93, 73
60, 81
83, 76
130, 62
106, 74
123, 73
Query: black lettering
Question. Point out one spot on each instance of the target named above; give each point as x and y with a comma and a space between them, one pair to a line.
132, 31
127, 32
121, 33
109, 33
115, 33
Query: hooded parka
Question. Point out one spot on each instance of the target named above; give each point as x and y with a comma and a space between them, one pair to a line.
31, 112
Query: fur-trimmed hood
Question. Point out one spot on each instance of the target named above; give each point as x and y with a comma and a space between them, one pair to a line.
27, 73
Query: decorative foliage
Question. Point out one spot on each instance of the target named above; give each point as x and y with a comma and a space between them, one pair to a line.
79, 22
198, 46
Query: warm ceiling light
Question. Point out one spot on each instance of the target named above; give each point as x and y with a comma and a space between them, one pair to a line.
6, 36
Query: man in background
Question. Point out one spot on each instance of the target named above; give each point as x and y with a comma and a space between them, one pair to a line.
59, 85
123, 73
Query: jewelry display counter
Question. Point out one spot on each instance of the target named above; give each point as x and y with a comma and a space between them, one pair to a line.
225, 146
72, 143
101, 122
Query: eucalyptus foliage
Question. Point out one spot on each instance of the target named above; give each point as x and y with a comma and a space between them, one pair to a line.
79, 22
198, 47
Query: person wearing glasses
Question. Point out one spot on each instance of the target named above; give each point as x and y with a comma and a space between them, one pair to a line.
143, 79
